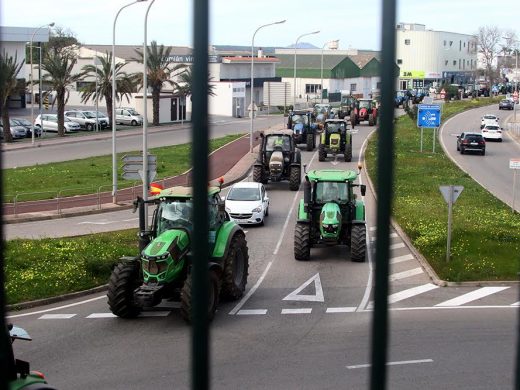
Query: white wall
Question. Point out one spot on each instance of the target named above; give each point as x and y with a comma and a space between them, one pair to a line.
222, 102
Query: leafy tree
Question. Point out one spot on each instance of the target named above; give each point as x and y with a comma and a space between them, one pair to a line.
185, 84
160, 70
125, 85
9, 69
59, 65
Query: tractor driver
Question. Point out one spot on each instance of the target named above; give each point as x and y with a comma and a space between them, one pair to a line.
332, 192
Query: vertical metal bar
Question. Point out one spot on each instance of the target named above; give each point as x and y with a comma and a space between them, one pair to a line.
450, 213
517, 368
4, 341
385, 174
514, 190
200, 130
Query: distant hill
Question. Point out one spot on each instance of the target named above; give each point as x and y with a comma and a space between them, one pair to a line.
303, 45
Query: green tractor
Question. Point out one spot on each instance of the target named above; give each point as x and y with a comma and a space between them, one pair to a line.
163, 268
278, 159
335, 139
330, 214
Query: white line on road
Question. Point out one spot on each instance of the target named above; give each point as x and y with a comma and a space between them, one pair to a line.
56, 316
391, 235
341, 309
405, 274
472, 296
401, 295
372, 228
402, 362
252, 291
57, 308
397, 246
101, 315
317, 297
516, 304
252, 312
400, 259
297, 311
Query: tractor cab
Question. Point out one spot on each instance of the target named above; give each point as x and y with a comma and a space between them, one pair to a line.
301, 122
335, 139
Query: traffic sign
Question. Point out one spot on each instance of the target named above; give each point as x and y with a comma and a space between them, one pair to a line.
514, 163
429, 115
133, 167
451, 193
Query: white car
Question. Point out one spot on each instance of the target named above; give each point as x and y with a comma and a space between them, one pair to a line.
492, 132
128, 116
489, 119
49, 122
247, 203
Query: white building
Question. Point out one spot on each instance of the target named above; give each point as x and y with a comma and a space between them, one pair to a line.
427, 57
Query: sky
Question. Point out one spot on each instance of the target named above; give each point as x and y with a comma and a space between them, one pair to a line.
232, 22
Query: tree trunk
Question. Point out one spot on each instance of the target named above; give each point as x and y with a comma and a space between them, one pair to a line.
60, 96
108, 100
156, 94
5, 123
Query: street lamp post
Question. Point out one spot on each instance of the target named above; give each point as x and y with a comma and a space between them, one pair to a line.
31, 77
294, 78
252, 84
114, 157
97, 99
323, 47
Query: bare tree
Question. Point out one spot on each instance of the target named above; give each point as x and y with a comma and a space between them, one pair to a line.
510, 47
488, 39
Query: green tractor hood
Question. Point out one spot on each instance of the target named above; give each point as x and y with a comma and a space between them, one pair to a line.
330, 221
163, 258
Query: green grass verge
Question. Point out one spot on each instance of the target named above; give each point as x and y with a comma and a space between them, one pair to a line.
87, 175
486, 234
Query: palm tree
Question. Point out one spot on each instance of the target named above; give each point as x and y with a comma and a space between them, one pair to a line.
58, 66
125, 85
185, 84
160, 70
9, 69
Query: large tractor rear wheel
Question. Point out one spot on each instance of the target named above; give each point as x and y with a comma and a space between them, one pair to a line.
121, 285
371, 120
295, 178
236, 265
258, 174
213, 294
310, 142
348, 151
322, 153
302, 242
358, 243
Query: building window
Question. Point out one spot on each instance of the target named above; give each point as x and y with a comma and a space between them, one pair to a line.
80, 85
446, 63
399, 61
451, 43
312, 88
379, 85
454, 62
406, 41
353, 87
460, 45
444, 42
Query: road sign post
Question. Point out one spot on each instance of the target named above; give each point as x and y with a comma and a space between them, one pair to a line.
450, 195
429, 116
133, 167
514, 164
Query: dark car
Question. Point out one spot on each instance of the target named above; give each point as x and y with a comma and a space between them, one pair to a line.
506, 105
471, 142
28, 127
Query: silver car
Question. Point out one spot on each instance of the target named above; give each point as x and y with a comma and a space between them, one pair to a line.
49, 122
17, 131
86, 119
128, 116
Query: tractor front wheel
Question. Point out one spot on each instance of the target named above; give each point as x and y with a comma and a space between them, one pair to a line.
213, 294
236, 265
310, 142
371, 120
358, 243
121, 285
295, 178
348, 151
322, 153
258, 174
302, 242
353, 119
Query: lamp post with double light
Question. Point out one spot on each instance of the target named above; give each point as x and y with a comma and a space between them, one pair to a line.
31, 77
294, 78
335, 42
114, 157
252, 105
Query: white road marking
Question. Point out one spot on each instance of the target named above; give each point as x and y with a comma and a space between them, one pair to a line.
391, 235
516, 304
254, 312
402, 362
57, 308
257, 284
402, 295
56, 316
397, 246
317, 297
297, 311
472, 296
452, 307
245, 231
101, 315
340, 310
335, 161
154, 313
372, 228
400, 259
95, 223
405, 274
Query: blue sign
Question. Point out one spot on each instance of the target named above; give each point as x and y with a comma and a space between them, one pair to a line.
428, 115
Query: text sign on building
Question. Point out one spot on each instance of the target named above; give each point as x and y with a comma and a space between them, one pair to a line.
428, 115
514, 163
412, 74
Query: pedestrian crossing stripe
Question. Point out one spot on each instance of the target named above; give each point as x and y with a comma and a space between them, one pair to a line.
472, 296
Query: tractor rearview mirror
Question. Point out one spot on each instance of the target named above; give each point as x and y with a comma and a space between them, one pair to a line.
363, 189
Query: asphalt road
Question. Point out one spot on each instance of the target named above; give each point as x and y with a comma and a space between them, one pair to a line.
277, 337
492, 170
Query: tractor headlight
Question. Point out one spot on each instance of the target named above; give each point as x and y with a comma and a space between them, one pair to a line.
257, 210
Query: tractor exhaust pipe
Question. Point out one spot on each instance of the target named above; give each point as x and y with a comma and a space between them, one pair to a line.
143, 237
306, 193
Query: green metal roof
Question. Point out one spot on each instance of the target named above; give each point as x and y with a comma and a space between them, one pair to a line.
184, 192
331, 175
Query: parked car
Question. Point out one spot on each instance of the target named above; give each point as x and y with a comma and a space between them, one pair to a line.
101, 117
17, 131
128, 116
28, 127
506, 104
49, 122
471, 142
489, 119
493, 132
86, 119
247, 203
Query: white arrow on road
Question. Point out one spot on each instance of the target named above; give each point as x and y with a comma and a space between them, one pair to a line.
317, 297
335, 162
